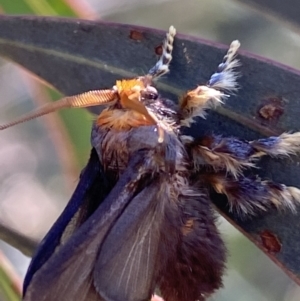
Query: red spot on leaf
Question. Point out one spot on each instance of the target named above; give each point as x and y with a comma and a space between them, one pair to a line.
270, 241
136, 35
271, 110
158, 50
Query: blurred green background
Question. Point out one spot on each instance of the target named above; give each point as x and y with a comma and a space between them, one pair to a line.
40, 161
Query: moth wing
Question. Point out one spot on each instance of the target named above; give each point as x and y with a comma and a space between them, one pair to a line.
67, 274
126, 267
70, 218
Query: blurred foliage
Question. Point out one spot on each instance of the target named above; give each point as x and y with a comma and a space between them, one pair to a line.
78, 121
74, 121
78, 126
6, 287
37, 7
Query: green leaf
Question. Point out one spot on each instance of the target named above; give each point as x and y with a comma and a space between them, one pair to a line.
45, 7
76, 56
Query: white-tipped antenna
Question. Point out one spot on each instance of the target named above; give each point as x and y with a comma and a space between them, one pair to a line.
88, 99
162, 65
225, 77
196, 102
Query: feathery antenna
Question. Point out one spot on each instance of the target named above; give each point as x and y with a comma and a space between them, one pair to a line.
225, 76
87, 99
196, 102
162, 65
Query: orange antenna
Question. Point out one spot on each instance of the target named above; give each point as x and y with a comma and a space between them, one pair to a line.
87, 99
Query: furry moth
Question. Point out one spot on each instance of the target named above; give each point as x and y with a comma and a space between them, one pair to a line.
141, 218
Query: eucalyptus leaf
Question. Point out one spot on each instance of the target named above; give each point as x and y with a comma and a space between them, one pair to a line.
76, 56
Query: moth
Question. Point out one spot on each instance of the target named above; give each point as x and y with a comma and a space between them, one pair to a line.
141, 218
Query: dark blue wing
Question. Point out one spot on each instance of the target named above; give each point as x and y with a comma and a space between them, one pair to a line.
69, 220
68, 274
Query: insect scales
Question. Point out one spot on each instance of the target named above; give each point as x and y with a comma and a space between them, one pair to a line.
141, 218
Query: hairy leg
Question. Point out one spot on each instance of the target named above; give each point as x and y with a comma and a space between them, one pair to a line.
250, 196
233, 155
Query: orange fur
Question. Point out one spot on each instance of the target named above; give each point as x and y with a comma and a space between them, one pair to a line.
119, 119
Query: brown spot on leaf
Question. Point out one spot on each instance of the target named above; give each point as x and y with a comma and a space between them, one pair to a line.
270, 241
136, 35
271, 110
159, 50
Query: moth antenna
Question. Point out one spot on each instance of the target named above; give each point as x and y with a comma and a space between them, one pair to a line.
87, 99
225, 76
162, 65
195, 102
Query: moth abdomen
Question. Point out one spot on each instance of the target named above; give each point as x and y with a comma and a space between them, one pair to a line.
194, 253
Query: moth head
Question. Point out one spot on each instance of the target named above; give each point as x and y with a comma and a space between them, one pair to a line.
132, 91
128, 93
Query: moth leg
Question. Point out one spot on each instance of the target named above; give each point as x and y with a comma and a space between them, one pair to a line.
221, 153
162, 65
233, 155
276, 146
251, 196
195, 102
